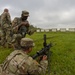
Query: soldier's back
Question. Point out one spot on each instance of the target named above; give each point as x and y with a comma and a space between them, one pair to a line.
17, 63
5, 18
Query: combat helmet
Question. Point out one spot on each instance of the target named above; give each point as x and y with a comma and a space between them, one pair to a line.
27, 42
25, 13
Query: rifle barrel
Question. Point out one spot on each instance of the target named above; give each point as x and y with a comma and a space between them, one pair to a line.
43, 51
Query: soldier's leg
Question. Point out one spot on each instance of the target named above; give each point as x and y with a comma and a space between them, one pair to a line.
16, 41
3, 38
8, 38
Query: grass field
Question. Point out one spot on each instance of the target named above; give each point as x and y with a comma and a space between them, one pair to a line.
63, 51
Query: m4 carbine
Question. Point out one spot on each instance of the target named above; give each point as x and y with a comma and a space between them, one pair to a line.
43, 51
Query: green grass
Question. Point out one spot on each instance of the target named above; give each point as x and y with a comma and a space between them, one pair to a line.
63, 51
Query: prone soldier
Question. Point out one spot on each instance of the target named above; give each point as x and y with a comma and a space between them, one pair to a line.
20, 63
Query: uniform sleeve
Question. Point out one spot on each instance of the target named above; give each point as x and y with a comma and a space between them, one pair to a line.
14, 22
38, 69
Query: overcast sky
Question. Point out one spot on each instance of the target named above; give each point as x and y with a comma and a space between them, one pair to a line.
43, 13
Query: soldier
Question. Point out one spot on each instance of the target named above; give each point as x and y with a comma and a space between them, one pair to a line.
20, 63
6, 27
20, 27
22, 21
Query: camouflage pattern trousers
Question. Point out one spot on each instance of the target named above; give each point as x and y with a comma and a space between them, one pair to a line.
5, 38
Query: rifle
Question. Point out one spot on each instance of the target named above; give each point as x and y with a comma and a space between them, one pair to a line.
44, 51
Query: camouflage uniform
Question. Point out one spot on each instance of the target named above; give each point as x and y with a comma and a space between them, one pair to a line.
16, 41
17, 22
19, 63
16, 25
6, 27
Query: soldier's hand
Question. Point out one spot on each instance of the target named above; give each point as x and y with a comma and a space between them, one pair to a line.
25, 23
44, 57
15, 29
30, 32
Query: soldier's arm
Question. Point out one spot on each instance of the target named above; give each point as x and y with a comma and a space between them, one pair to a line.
14, 22
30, 32
38, 69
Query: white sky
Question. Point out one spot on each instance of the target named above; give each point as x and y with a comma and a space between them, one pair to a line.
43, 13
